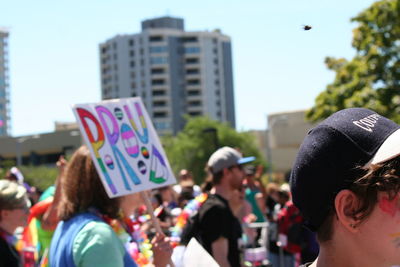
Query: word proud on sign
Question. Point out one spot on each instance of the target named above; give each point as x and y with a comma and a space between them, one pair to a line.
124, 145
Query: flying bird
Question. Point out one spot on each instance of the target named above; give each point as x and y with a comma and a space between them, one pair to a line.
307, 27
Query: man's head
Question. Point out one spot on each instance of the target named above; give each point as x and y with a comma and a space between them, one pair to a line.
334, 156
224, 160
185, 175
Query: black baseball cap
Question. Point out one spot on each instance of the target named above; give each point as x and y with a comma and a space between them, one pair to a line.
331, 155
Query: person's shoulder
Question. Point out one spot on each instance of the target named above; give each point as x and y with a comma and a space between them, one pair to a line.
94, 239
98, 230
214, 203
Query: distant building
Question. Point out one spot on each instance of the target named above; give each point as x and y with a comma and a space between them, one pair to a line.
4, 85
286, 133
41, 149
175, 72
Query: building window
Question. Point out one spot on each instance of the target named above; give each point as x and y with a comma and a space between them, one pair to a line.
133, 94
158, 60
132, 53
133, 74
192, 60
156, 38
161, 125
104, 49
158, 81
133, 85
192, 71
193, 92
193, 82
132, 63
115, 45
189, 39
157, 71
195, 113
192, 50
159, 103
195, 103
158, 92
158, 49
131, 42
159, 114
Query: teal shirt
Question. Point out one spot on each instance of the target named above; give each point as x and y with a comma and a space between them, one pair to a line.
98, 245
251, 198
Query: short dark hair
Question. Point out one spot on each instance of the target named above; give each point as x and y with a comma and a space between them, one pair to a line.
82, 188
383, 177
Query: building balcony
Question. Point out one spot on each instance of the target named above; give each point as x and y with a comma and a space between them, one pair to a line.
191, 98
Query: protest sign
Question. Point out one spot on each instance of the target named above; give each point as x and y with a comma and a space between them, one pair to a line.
124, 146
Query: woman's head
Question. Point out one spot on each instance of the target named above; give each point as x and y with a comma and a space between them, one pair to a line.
82, 188
14, 206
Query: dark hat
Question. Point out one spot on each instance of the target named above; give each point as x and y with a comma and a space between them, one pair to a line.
226, 157
331, 154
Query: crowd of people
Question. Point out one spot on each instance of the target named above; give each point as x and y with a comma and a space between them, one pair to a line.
78, 207
344, 191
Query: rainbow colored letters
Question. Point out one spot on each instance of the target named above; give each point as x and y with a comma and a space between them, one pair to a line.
124, 146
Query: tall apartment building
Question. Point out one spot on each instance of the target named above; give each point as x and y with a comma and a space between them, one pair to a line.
175, 72
4, 85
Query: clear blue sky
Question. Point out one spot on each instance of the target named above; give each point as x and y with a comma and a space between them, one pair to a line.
277, 66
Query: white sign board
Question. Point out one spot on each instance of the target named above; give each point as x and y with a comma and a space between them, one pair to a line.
196, 256
124, 145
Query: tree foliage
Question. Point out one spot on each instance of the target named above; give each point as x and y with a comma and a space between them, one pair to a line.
192, 147
372, 78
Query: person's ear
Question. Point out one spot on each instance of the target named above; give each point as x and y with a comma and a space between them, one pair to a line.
346, 205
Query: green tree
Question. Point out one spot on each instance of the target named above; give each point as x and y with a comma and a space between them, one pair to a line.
192, 147
372, 78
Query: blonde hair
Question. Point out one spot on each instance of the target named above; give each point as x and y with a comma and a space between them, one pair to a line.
12, 195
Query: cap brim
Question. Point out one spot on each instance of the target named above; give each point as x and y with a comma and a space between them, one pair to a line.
246, 160
388, 150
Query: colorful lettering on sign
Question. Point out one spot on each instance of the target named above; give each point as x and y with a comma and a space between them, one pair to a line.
157, 158
96, 144
112, 137
120, 135
129, 140
144, 138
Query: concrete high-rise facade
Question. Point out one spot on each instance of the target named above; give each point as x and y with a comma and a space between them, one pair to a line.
175, 72
4, 85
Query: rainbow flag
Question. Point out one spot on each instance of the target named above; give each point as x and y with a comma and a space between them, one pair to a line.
30, 236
